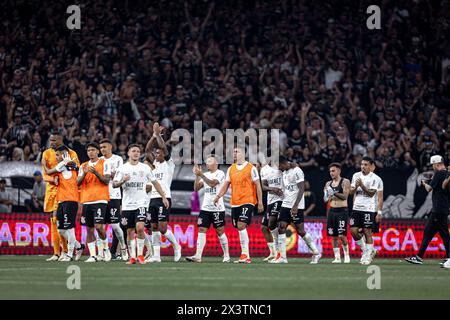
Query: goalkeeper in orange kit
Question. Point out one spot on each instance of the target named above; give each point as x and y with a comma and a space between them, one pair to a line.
49, 162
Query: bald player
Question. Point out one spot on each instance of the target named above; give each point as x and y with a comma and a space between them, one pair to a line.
246, 193
210, 213
49, 162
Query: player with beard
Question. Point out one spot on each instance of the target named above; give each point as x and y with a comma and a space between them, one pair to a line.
133, 177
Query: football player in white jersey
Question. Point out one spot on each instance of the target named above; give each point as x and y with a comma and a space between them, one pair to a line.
133, 177
292, 210
272, 183
113, 211
379, 209
364, 187
159, 214
210, 213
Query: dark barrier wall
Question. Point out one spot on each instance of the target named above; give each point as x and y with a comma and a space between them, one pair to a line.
30, 234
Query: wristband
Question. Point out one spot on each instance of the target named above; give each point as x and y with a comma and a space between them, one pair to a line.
380, 213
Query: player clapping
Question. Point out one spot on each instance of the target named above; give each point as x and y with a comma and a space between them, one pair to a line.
210, 213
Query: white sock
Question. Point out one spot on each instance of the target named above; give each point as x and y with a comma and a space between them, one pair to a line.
271, 246
100, 247
310, 243
224, 244
140, 246
105, 244
119, 234
156, 239
369, 248
169, 236
132, 248
243, 236
201, 241
345, 249
275, 237
337, 253
71, 240
148, 244
361, 244
282, 245
91, 246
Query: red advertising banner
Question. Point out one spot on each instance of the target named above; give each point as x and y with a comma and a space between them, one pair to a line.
28, 234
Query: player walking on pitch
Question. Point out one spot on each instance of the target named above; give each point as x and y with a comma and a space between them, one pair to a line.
364, 186
272, 183
159, 213
336, 193
113, 211
246, 192
292, 210
133, 177
93, 179
212, 181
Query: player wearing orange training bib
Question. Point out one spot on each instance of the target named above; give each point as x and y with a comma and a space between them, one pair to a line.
67, 196
246, 192
93, 179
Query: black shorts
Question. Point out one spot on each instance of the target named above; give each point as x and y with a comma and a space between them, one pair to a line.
131, 217
93, 214
362, 219
66, 214
113, 211
158, 212
337, 222
205, 218
242, 213
273, 210
286, 216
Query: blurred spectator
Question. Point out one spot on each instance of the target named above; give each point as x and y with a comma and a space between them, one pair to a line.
310, 199
5, 198
36, 203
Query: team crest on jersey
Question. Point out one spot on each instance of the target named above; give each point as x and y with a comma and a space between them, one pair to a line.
352, 221
330, 230
200, 221
83, 220
124, 221
141, 174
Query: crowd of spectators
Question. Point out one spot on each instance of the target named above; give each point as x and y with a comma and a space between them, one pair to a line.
335, 89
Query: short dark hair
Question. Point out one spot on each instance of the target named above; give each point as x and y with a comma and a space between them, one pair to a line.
368, 159
62, 148
93, 145
282, 159
3, 181
133, 145
335, 164
105, 141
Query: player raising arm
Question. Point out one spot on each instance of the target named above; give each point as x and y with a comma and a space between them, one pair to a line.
246, 192
133, 177
212, 181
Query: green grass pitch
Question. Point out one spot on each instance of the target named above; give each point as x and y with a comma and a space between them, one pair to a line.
31, 277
